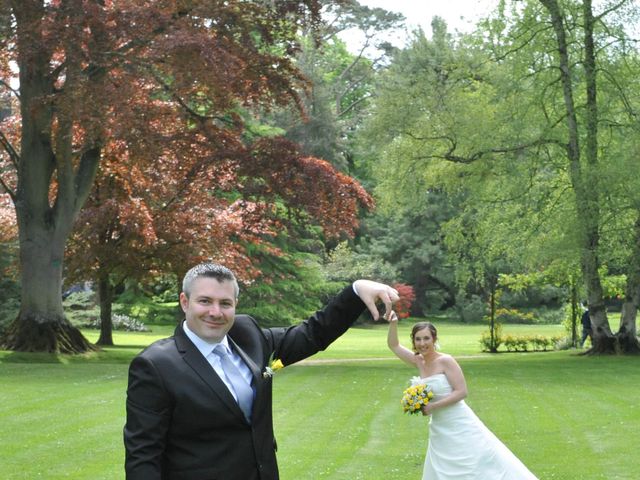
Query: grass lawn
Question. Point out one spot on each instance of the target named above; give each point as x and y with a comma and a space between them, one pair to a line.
567, 417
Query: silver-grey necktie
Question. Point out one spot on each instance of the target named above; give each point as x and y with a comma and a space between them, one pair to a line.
243, 391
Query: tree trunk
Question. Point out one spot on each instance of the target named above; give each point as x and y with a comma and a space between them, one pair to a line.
53, 183
492, 319
574, 313
627, 336
41, 325
105, 295
584, 176
602, 337
603, 340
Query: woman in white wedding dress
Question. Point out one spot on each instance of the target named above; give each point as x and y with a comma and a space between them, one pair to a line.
460, 447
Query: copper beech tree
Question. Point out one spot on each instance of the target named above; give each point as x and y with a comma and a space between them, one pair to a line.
138, 82
134, 224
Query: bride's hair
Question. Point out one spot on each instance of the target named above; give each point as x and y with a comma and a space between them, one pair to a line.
421, 326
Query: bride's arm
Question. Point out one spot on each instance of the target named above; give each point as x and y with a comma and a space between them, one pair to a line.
458, 386
393, 343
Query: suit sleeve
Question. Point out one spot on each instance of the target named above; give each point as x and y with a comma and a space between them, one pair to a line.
300, 341
148, 418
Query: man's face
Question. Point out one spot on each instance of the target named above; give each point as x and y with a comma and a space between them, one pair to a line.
210, 309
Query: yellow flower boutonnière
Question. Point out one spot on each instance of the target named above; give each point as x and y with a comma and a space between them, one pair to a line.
272, 368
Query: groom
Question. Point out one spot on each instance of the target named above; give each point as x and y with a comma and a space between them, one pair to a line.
199, 402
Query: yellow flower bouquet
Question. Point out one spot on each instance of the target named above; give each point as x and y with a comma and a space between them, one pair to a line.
415, 397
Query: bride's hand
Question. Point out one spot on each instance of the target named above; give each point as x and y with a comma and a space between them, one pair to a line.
392, 317
427, 409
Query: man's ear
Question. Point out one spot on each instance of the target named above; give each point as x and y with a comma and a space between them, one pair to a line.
184, 301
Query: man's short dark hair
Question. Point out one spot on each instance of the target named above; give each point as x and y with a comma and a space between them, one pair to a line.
210, 270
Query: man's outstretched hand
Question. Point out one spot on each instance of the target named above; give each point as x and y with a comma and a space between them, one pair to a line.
371, 292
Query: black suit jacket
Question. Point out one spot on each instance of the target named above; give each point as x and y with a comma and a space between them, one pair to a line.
182, 422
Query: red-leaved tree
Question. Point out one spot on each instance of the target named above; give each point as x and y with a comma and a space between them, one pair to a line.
135, 225
115, 77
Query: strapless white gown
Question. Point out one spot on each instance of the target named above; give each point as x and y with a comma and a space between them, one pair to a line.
461, 447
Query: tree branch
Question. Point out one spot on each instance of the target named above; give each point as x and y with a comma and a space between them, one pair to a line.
353, 105
449, 156
86, 175
8, 190
11, 89
13, 154
175, 96
609, 10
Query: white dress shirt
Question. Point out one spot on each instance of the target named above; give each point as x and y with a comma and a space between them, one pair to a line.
207, 348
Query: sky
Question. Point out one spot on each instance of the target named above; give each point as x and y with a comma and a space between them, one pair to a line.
460, 15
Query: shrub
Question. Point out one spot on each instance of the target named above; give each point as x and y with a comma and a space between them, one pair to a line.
81, 309
167, 296
123, 322
549, 315
512, 315
83, 300
562, 343
522, 343
510, 343
540, 342
491, 344
534, 296
407, 296
526, 343
145, 310
120, 322
471, 309
8, 313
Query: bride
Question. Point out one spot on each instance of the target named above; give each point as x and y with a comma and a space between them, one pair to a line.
460, 447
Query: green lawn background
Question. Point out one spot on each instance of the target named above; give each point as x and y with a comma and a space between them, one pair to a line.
339, 417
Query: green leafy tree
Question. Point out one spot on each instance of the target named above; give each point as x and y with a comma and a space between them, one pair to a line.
412, 241
341, 82
511, 116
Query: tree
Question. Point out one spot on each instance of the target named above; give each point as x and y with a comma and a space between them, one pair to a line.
407, 296
511, 116
135, 226
341, 82
583, 126
412, 240
91, 71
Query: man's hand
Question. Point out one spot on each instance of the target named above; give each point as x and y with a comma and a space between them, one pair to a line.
371, 292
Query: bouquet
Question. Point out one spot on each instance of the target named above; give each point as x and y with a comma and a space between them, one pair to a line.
415, 397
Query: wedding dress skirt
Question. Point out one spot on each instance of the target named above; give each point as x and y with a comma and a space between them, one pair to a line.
461, 447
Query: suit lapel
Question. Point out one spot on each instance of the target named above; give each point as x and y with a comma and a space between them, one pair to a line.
256, 374
255, 369
259, 384
205, 371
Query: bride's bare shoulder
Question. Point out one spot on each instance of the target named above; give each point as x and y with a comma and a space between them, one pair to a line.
445, 359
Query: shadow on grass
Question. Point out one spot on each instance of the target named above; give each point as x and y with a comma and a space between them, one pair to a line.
29, 357
106, 354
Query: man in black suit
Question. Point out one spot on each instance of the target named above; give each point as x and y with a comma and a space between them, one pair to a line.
199, 403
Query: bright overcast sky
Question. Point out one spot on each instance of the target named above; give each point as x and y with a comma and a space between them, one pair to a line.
460, 15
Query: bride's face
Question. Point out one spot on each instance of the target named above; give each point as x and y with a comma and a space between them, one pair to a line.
423, 341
